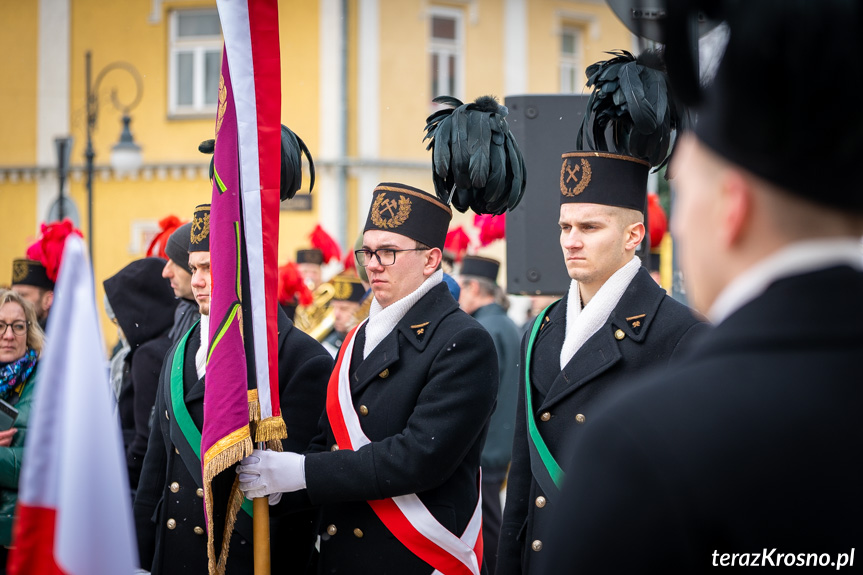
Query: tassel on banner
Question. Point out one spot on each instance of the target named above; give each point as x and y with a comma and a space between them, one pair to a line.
254, 406
270, 429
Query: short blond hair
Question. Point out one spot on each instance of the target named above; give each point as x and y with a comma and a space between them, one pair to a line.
35, 335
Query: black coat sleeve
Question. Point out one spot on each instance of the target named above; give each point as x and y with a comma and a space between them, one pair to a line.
511, 546
304, 371
150, 485
146, 365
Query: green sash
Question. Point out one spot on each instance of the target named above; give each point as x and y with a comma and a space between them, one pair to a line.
181, 415
546, 471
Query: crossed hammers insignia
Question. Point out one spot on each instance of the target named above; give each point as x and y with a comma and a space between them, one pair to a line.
390, 206
571, 170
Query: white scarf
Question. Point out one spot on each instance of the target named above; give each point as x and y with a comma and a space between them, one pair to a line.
581, 326
201, 354
383, 320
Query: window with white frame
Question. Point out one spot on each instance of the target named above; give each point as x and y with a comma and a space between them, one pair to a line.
572, 77
195, 62
446, 52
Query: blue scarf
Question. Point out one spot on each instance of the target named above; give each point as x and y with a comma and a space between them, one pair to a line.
14, 373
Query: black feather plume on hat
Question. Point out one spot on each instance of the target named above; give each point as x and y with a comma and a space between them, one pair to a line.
632, 110
476, 162
291, 179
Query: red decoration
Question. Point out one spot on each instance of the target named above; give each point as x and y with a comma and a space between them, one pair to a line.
167, 226
491, 227
656, 220
325, 242
350, 262
48, 249
457, 241
291, 284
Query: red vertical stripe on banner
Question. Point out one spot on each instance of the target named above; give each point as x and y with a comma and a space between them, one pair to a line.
34, 542
264, 32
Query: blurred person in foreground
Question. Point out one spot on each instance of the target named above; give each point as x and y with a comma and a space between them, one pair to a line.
21, 343
746, 454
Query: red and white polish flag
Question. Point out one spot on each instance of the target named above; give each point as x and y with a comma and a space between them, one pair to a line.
74, 512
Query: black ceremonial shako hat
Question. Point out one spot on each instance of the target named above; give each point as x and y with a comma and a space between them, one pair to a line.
410, 212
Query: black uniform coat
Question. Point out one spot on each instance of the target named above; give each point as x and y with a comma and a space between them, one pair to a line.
751, 444
505, 334
646, 329
424, 395
171, 478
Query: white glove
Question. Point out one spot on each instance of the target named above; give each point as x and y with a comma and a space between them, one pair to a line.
266, 472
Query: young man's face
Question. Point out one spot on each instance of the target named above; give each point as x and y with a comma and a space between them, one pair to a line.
39, 297
596, 241
181, 279
199, 264
411, 268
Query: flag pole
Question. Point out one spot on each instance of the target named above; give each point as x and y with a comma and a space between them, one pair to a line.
261, 531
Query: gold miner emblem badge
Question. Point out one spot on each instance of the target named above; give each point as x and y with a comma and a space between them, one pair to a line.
571, 182
19, 271
386, 213
343, 290
200, 229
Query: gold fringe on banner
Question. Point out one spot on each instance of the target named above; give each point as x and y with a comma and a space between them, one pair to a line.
271, 428
235, 501
275, 445
254, 406
220, 456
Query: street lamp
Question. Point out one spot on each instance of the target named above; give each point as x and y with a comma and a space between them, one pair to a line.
126, 154
64, 148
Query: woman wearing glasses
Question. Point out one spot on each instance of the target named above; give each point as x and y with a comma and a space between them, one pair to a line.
21, 341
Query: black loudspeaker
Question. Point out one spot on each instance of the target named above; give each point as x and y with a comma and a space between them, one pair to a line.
545, 126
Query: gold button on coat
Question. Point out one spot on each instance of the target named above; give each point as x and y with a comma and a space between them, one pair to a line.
177, 451
358, 533
546, 415
364, 410
536, 545
385, 373
200, 493
332, 529
174, 487
198, 530
579, 418
540, 501
171, 524
166, 415
619, 334
335, 447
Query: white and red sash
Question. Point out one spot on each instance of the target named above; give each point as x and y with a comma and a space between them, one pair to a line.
405, 515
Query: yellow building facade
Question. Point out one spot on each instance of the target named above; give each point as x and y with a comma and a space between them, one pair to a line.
358, 78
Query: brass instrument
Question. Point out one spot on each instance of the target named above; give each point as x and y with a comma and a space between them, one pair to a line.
316, 319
